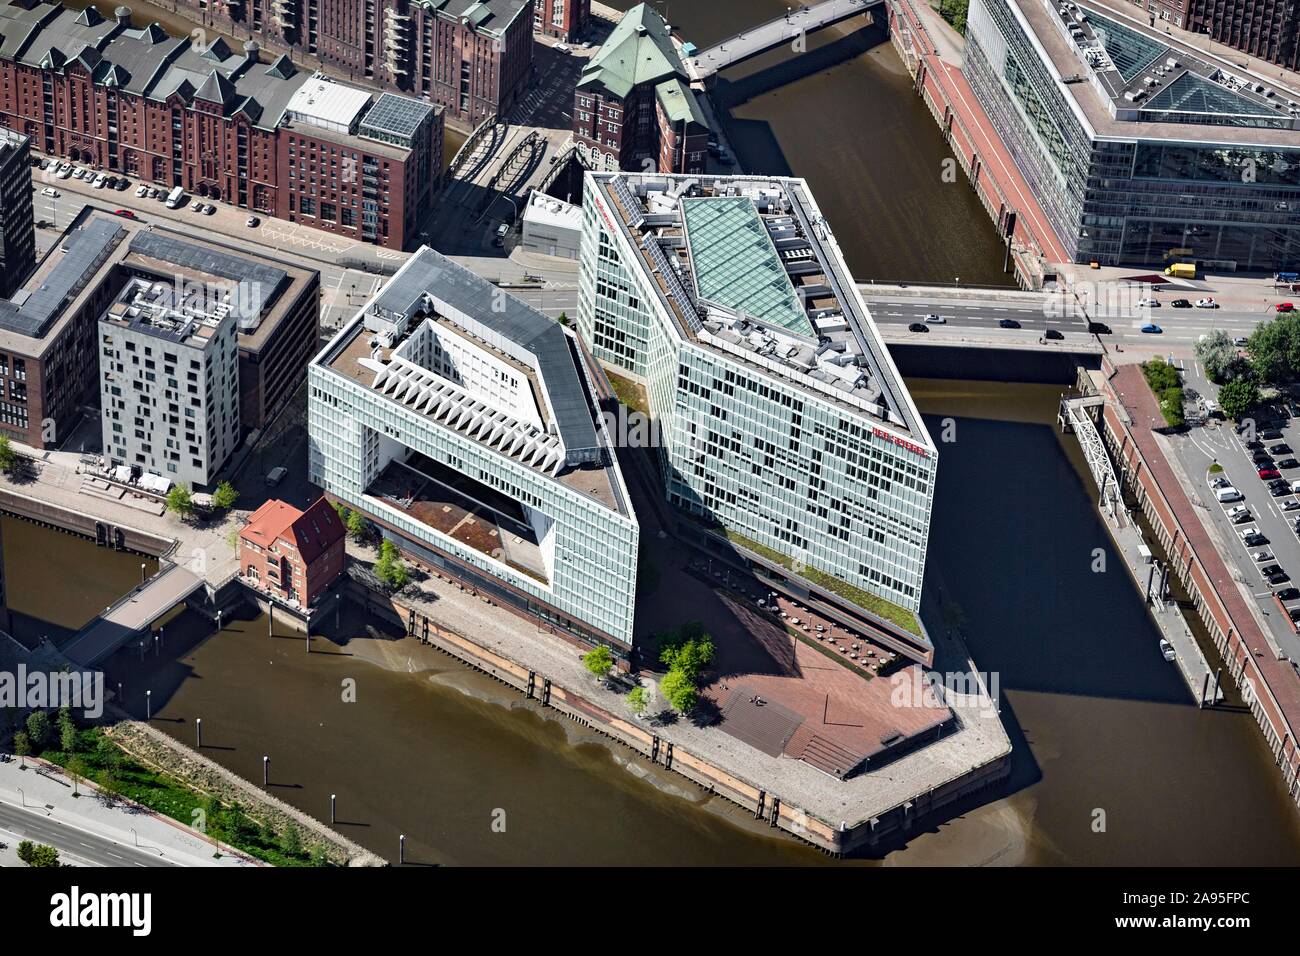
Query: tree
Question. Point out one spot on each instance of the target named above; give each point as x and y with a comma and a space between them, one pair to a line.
225, 496
1217, 355
691, 657
38, 854
563, 319
76, 770
638, 700
38, 729
9, 460
390, 568
356, 525
598, 660
341, 510
1274, 349
180, 501
22, 746
291, 842
1238, 397
679, 691
67, 731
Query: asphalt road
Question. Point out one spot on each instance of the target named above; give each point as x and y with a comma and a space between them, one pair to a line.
29, 824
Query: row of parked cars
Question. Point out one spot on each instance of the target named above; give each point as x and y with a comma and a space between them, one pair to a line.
98, 180
1270, 455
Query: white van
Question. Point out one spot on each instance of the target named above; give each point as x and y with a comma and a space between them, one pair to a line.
1295, 487
175, 197
1228, 494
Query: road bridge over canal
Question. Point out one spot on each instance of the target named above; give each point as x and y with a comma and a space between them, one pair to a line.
132, 615
784, 29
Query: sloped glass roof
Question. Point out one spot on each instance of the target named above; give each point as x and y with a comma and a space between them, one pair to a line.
1193, 94
736, 265
1129, 50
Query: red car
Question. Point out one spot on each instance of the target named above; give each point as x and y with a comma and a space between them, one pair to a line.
124, 213
1285, 307
1266, 474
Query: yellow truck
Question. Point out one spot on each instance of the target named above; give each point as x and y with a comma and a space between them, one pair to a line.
1182, 270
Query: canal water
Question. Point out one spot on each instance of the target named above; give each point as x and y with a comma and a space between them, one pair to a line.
1113, 764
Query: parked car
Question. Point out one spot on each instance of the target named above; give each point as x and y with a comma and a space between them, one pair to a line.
1266, 474
1271, 435
1289, 463
1240, 518
1240, 341
1291, 505
1219, 482
78, 173
197, 205
100, 181
1181, 304
122, 183
125, 213
1152, 329
142, 191
276, 475
1287, 594
1008, 324
1281, 448
918, 327
1206, 303
1238, 511
252, 222
1280, 578
1254, 539
1270, 569
209, 209
1262, 556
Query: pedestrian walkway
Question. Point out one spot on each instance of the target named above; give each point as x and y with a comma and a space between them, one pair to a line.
45, 790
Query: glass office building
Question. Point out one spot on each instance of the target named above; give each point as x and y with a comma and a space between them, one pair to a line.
464, 424
1140, 149
784, 425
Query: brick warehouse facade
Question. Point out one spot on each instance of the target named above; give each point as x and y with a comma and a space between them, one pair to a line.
294, 555
472, 57
563, 19
1268, 29
219, 123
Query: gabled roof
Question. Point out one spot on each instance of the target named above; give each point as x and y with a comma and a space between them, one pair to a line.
638, 51
311, 532
679, 102
282, 67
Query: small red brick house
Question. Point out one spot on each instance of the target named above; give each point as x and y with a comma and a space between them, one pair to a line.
295, 555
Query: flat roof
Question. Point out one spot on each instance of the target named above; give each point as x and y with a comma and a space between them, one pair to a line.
748, 266
1131, 53
322, 100
36, 306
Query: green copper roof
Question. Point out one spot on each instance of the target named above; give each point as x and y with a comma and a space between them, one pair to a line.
736, 265
638, 51
679, 102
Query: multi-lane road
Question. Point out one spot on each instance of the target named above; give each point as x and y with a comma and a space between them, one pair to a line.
33, 824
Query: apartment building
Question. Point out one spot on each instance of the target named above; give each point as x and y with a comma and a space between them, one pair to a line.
788, 437
291, 554
218, 122
169, 390
464, 424
49, 347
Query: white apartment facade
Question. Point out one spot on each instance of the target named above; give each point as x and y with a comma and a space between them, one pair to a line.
169, 365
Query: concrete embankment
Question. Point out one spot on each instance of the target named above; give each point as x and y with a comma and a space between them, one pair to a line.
97, 529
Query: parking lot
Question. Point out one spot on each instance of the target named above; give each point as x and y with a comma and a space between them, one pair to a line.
1259, 522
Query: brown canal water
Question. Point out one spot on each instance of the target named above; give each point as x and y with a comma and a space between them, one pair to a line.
844, 116
1104, 731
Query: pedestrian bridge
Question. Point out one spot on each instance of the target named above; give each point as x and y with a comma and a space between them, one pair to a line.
784, 29
131, 615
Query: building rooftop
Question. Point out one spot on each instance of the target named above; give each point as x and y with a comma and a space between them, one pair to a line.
385, 345
748, 266
395, 119
311, 532
679, 102
180, 313
639, 50
323, 102
490, 17
97, 246
1125, 80
549, 211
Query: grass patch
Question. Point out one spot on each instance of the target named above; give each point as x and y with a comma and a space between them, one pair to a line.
877, 605
1216, 468
116, 772
1166, 383
629, 392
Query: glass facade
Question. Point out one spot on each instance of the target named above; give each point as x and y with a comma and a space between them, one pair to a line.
776, 463
1141, 201
355, 432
